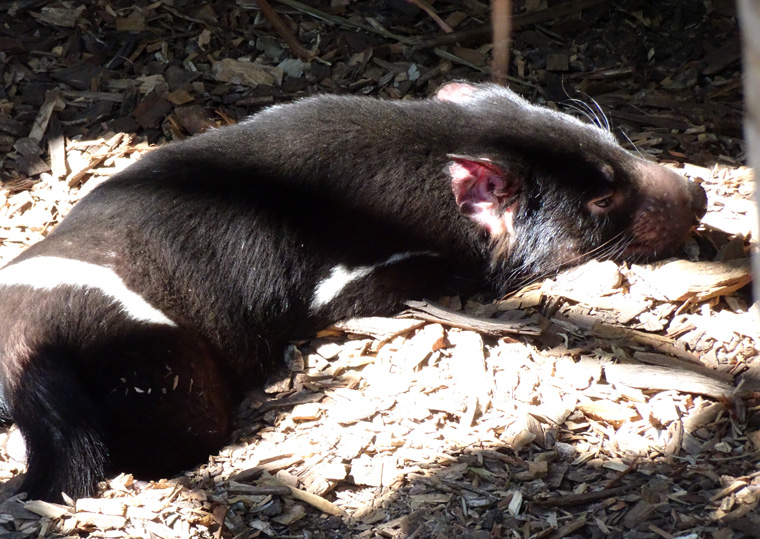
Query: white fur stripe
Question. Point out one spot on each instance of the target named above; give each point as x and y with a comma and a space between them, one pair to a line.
340, 276
49, 272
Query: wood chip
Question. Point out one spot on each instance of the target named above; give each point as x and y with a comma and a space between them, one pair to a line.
312, 499
246, 73
47, 509
681, 280
650, 377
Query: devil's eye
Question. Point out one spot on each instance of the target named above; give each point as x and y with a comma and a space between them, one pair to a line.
602, 203
605, 202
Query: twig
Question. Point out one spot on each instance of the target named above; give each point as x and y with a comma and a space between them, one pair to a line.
318, 14
435, 313
282, 29
569, 500
615, 481
446, 55
427, 8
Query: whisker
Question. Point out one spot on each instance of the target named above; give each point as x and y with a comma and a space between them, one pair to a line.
607, 124
585, 109
585, 112
592, 114
632, 144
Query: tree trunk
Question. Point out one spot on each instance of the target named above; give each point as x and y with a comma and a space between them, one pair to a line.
749, 15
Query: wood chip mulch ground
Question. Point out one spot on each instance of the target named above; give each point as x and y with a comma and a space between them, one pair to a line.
613, 400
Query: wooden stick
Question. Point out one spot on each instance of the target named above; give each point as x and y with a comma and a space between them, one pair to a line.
427, 8
431, 312
501, 21
281, 28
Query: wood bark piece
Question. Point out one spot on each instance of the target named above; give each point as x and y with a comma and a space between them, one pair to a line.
638, 514
258, 490
31, 165
378, 327
427, 340
471, 372
133, 23
662, 378
246, 73
569, 528
28, 147
152, 110
82, 75
312, 499
608, 411
60, 16
98, 520
667, 361
194, 119
105, 506
434, 313
47, 509
57, 148
570, 500
40, 124
658, 342
681, 280
114, 147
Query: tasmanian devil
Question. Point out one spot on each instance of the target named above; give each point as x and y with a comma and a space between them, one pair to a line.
129, 334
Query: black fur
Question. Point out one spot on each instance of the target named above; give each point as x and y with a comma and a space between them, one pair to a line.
228, 234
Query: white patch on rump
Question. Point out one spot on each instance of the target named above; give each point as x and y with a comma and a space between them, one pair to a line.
340, 276
50, 272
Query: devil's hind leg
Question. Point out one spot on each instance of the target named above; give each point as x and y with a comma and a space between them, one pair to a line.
169, 401
62, 428
148, 399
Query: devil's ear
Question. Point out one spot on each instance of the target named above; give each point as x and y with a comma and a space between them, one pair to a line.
480, 186
455, 92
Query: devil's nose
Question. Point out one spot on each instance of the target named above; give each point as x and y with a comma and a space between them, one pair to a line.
698, 199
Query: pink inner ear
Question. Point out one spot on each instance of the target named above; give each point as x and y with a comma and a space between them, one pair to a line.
478, 187
456, 92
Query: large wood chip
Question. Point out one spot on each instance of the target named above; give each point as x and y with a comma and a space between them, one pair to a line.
57, 148
667, 361
105, 506
681, 280
608, 411
47, 509
380, 328
373, 472
246, 73
60, 16
312, 499
152, 110
638, 514
98, 520
52, 99
663, 378
434, 313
